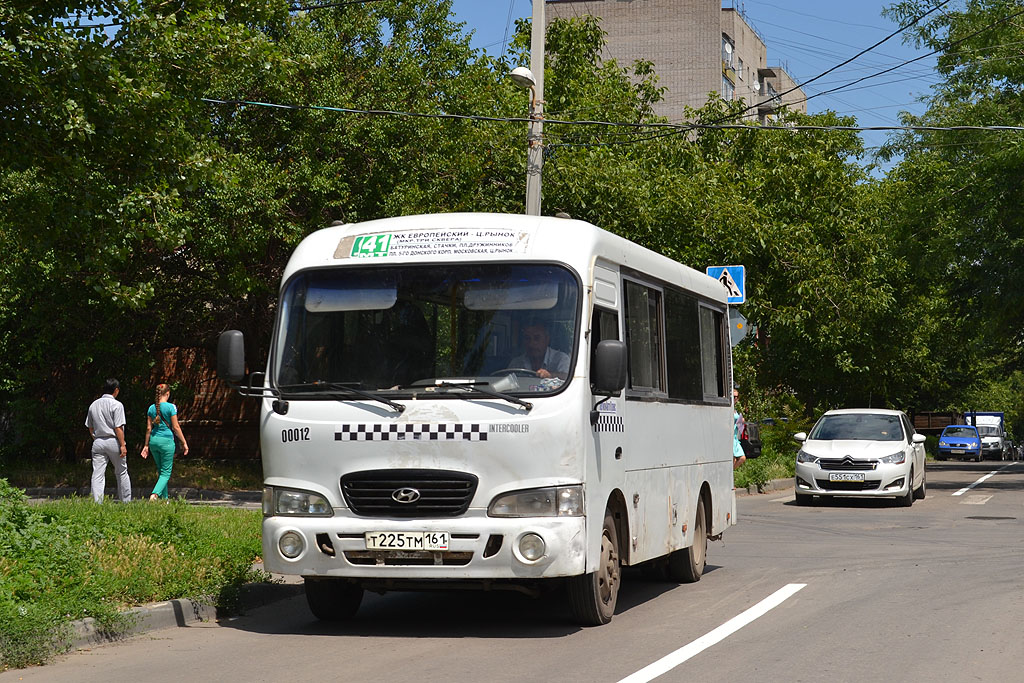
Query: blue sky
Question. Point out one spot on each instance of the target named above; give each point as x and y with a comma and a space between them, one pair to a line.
807, 37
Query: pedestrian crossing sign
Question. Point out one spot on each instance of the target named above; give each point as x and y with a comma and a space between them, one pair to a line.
733, 278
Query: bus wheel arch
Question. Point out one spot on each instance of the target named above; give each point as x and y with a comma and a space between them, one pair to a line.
687, 565
620, 513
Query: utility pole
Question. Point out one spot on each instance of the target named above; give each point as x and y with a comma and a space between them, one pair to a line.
535, 155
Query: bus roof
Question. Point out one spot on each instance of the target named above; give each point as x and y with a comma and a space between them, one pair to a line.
476, 237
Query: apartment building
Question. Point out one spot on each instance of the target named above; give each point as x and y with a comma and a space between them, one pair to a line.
697, 47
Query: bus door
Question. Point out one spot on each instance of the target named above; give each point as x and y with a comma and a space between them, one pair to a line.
609, 431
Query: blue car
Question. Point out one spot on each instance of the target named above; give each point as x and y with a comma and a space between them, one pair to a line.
959, 442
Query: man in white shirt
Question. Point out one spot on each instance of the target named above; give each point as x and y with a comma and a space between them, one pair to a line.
106, 427
539, 357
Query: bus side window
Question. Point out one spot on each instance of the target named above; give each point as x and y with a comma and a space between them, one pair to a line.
644, 337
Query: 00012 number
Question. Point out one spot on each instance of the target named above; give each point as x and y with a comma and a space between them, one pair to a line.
295, 434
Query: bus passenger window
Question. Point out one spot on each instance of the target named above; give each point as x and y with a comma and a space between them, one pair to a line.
712, 336
643, 337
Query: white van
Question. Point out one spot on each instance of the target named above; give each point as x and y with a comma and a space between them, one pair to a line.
508, 402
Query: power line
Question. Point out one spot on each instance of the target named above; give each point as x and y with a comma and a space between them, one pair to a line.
895, 33
916, 59
669, 128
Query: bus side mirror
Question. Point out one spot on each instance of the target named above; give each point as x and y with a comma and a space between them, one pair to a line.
231, 356
608, 376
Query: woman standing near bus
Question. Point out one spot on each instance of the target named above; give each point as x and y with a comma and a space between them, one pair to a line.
161, 428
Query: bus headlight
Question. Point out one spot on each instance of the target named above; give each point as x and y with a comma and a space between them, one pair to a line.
556, 501
291, 503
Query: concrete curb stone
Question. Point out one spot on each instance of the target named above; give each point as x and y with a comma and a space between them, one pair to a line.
179, 613
767, 487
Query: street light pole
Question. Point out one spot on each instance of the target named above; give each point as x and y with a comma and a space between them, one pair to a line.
535, 155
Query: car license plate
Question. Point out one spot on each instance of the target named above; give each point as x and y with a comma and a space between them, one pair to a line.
405, 540
846, 476
957, 451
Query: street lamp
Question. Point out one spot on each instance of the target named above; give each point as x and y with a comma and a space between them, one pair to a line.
526, 78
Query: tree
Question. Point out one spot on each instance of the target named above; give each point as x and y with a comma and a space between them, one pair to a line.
956, 197
140, 216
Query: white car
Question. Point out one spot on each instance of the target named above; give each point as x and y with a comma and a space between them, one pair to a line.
862, 452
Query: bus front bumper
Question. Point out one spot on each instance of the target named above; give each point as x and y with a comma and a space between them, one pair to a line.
480, 547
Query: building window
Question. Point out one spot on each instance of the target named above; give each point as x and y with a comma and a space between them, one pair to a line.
728, 89
739, 68
727, 51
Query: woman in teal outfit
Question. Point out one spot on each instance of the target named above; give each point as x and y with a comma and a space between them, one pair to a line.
161, 428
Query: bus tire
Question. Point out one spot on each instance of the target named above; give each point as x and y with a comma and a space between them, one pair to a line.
687, 565
592, 596
332, 599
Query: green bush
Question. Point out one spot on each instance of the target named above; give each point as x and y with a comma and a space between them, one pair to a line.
72, 559
778, 455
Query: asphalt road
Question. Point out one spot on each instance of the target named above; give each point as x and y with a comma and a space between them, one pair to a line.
861, 590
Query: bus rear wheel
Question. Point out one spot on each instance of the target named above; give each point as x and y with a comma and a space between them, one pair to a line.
332, 599
592, 596
687, 565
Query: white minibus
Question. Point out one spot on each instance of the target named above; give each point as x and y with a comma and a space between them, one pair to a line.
492, 401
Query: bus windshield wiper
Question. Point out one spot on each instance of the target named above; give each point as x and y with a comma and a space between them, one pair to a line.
340, 387
483, 388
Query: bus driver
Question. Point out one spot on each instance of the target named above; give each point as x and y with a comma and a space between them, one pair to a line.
539, 356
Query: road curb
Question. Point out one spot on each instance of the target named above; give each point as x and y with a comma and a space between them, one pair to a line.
177, 613
767, 487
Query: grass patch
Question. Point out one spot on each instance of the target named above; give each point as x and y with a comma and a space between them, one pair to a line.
71, 559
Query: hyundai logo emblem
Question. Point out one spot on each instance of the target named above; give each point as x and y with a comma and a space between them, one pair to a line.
405, 495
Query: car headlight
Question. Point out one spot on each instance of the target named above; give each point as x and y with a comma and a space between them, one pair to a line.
803, 456
292, 503
556, 501
894, 459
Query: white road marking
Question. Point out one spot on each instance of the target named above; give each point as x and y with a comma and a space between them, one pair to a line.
983, 479
976, 499
674, 659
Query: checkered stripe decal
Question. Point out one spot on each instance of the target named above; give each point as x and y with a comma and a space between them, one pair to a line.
409, 431
610, 423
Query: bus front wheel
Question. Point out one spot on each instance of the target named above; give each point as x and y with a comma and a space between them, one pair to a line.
593, 596
332, 599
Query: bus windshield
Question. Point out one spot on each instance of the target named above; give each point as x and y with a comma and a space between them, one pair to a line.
509, 327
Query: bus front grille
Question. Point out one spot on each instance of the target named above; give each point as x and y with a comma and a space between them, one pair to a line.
408, 493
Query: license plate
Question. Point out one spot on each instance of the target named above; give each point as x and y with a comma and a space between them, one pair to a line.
846, 476
406, 540
957, 451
